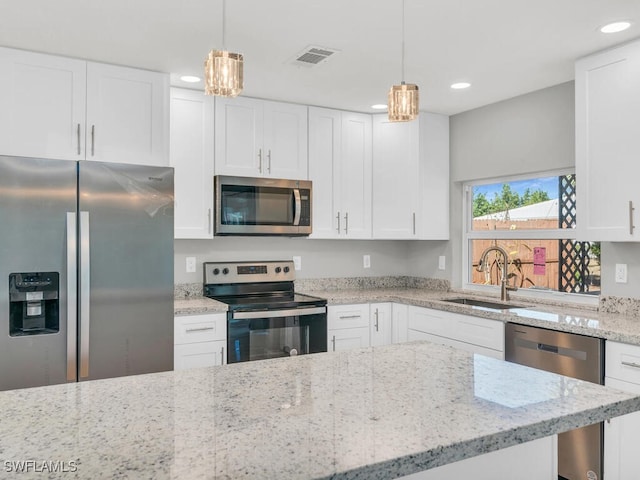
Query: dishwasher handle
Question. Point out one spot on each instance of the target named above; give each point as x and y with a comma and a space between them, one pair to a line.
548, 348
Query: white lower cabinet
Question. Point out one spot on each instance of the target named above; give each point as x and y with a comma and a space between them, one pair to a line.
200, 341
533, 460
474, 334
380, 323
399, 323
348, 327
622, 434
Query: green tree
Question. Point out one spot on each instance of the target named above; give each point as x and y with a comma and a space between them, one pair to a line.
480, 205
506, 200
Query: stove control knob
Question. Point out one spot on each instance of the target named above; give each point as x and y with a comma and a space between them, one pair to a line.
286, 269
216, 271
225, 270
278, 269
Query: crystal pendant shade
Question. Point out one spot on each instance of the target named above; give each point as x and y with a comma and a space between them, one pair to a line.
223, 74
404, 102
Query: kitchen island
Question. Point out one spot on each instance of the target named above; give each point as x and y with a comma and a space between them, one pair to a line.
380, 412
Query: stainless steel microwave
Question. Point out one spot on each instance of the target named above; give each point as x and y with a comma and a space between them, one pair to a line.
262, 206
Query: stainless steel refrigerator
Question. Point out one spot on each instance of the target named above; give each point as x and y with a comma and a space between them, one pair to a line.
86, 271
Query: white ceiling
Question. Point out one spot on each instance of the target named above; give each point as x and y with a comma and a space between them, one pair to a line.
503, 47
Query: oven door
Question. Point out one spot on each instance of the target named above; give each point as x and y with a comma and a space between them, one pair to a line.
276, 333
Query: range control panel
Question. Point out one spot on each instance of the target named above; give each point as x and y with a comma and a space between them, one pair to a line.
248, 272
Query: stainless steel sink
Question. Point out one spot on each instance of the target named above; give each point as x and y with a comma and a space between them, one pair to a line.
481, 303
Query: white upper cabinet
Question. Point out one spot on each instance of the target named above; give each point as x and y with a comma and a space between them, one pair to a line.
42, 105
608, 145
191, 157
256, 138
127, 115
411, 178
61, 108
396, 158
340, 169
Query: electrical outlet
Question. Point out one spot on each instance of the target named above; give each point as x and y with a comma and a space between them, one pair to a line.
297, 263
191, 264
621, 273
366, 261
442, 262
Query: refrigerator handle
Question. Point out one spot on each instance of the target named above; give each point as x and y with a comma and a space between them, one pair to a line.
72, 297
85, 286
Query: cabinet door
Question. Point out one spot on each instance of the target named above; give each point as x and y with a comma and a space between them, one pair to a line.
395, 178
399, 323
432, 220
324, 159
621, 438
42, 99
285, 141
355, 175
127, 115
348, 339
192, 158
238, 137
608, 144
380, 319
197, 355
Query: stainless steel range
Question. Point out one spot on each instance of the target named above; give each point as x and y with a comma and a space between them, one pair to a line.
266, 317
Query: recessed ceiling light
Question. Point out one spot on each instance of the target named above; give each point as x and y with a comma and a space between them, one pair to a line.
460, 85
379, 106
190, 79
615, 27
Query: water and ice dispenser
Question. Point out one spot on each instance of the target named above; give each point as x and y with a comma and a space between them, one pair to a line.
34, 303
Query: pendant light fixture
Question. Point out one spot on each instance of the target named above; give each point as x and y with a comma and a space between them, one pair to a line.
223, 69
404, 102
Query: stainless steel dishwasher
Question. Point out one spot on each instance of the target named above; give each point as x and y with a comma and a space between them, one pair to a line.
576, 356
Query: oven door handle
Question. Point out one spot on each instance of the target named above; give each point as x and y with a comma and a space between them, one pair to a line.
293, 312
297, 207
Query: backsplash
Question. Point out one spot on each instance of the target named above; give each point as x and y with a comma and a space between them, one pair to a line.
188, 290
620, 305
318, 284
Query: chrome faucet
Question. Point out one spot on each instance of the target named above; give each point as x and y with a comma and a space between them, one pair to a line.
504, 286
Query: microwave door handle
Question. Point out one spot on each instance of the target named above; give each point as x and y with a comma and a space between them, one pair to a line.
297, 207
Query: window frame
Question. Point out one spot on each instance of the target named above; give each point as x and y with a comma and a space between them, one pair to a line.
543, 234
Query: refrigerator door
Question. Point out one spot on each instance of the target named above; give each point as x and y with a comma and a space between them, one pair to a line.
37, 215
125, 269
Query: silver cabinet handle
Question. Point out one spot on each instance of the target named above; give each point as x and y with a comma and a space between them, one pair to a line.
349, 316
222, 356
72, 305
85, 290
346, 223
93, 140
376, 320
338, 218
269, 160
631, 225
209, 219
78, 132
199, 329
260, 160
333, 341
414, 223
631, 364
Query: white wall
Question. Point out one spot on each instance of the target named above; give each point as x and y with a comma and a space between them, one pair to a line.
612, 253
320, 258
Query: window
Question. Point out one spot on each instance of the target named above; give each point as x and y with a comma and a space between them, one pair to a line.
533, 220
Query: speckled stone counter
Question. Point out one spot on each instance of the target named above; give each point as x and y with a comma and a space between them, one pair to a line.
584, 321
197, 306
371, 413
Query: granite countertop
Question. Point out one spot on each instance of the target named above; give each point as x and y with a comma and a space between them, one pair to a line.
556, 316
370, 413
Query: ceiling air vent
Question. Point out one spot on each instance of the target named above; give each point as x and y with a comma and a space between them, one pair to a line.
313, 55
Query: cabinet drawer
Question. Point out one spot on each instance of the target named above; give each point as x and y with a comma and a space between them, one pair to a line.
200, 328
348, 316
195, 355
622, 362
463, 328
